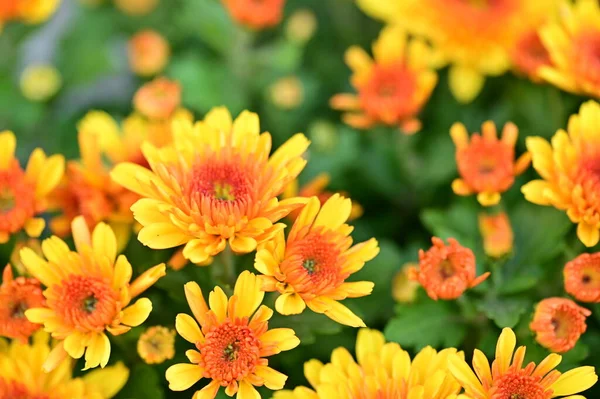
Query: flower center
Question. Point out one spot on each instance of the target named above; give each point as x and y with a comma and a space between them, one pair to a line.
486, 165
18, 310
519, 384
309, 265
446, 269
223, 182
223, 191
7, 200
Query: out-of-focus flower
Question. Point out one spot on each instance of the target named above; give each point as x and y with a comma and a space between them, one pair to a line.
383, 370
497, 234
316, 188
475, 36
311, 268
486, 164
569, 170
582, 277
573, 42
529, 55
507, 378
87, 293
136, 7
16, 296
404, 290
287, 93
158, 99
558, 323
21, 376
324, 136
40, 82
28, 11
148, 52
15, 256
232, 342
446, 271
393, 87
156, 344
215, 184
24, 193
301, 26
255, 14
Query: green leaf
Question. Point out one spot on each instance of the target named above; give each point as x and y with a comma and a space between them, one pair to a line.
505, 312
459, 222
306, 325
144, 382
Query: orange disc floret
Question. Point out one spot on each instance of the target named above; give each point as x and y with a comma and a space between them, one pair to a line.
87, 293
158, 99
16, 296
216, 184
156, 345
497, 234
393, 87
232, 341
255, 14
558, 323
148, 53
446, 271
582, 277
485, 163
311, 267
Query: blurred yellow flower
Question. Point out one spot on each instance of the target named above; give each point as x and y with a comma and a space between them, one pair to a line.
156, 344
136, 7
40, 82
301, 26
148, 52
287, 93
497, 234
29, 11
404, 290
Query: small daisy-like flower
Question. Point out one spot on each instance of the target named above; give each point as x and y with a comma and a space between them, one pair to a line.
156, 344
16, 296
383, 370
404, 290
158, 99
497, 234
255, 14
148, 53
582, 277
87, 293
485, 163
24, 193
558, 323
569, 169
446, 271
21, 376
216, 184
508, 379
392, 88
529, 55
232, 342
28, 11
311, 267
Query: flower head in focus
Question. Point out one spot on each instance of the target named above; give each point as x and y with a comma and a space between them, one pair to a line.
582, 277
311, 267
486, 164
156, 345
446, 271
393, 87
28, 11
497, 234
40, 82
404, 290
87, 293
383, 370
558, 323
507, 378
148, 52
255, 15
216, 184
24, 193
569, 167
232, 342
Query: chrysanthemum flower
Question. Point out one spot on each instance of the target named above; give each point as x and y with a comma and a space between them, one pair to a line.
156, 344
87, 293
311, 268
232, 342
558, 323
446, 271
383, 370
486, 164
29, 11
24, 193
392, 88
582, 277
404, 290
529, 55
16, 296
21, 376
148, 53
158, 99
574, 46
569, 171
497, 234
216, 184
255, 14
508, 379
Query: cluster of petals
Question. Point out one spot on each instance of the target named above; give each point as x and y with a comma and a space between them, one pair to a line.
582, 277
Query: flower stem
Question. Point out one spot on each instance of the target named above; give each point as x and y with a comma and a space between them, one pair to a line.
224, 269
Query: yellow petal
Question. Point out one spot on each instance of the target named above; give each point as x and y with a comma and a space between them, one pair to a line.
464, 375
290, 303
389, 46
266, 263
588, 234
39, 268
8, 143
162, 236
505, 348
273, 379
306, 217
335, 311
98, 351
122, 274
248, 291
459, 135
75, 344
246, 123
135, 178
137, 313
574, 381
242, 245
334, 212
50, 175
104, 242
312, 371
108, 381
219, 118
247, 391
488, 198
55, 358
283, 338
368, 342
194, 297
34, 227
460, 187
548, 364
81, 233
208, 392
35, 164
147, 279
535, 192
465, 83
182, 376
218, 303
39, 315
187, 327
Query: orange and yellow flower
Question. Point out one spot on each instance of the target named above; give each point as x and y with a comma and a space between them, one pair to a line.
255, 14
156, 345
497, 234
507, 378
569, 170
24, 193
232, 342
446, 271
486, 164
311, 267
148, 52
21, 375
28, 11
158, 99
216, 184
87, 293
529, 55
558, 323
582, 277
404, 290
392, 88
383, 370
